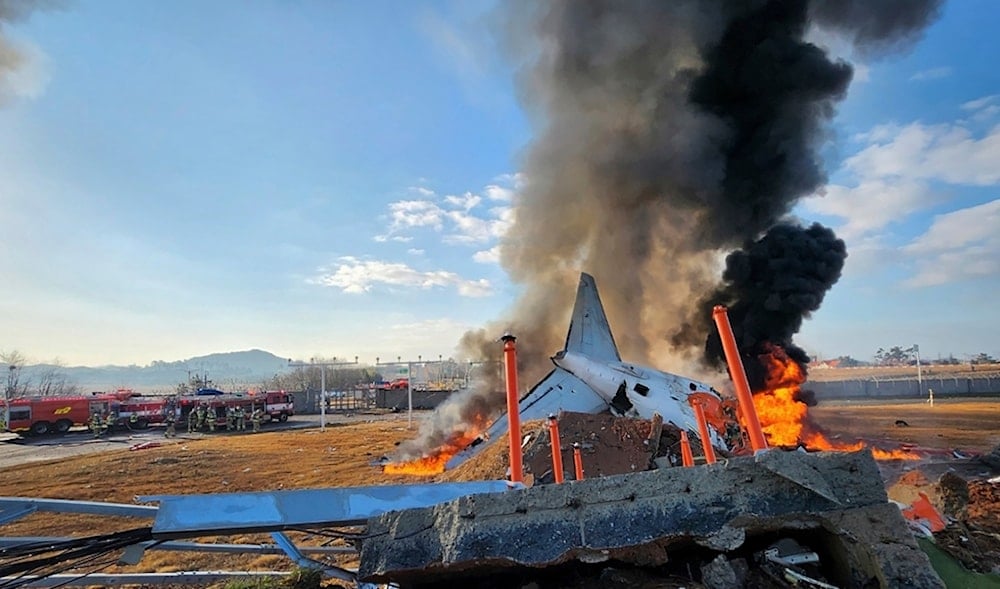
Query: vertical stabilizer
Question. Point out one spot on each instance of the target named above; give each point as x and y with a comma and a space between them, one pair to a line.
589, 332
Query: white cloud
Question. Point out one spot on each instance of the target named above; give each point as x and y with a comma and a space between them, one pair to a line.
981, 103
872, 204
415, 213
983, 109
360, 276
950, 153
958, 245
466, 202
490, 256
415, 251
494, 192
454, 216
905, 169
470, 229
934, 73
425, 192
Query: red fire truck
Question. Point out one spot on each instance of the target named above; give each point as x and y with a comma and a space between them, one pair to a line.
277, 405
42, 415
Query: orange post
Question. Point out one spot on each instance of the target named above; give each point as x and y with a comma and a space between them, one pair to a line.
578, 461
687, 459
739, 376
557, 465
513, 411
706, 442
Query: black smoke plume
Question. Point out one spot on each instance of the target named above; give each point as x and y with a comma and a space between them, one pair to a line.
771, 285
668, 133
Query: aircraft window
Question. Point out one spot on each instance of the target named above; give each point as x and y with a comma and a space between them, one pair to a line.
641, 389
693, 386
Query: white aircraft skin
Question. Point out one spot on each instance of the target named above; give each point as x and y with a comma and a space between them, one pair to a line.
590, 377
665, 393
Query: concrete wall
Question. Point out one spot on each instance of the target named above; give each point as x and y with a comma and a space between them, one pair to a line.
908, 388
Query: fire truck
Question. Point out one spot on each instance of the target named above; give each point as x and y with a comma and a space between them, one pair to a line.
276, 405
42, 415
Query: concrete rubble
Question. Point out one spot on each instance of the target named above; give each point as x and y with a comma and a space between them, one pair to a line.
724, 525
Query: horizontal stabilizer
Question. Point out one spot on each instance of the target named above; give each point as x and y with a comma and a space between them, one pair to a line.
559, 391
589, 332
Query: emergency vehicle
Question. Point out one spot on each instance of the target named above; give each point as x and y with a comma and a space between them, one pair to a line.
42, 415
276, 405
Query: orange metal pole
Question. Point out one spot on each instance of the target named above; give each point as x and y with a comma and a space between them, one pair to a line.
578, 461
739, 376
513, 411
687, 459
557, 465
706, 442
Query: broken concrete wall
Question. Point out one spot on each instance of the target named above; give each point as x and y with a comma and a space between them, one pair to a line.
834, 500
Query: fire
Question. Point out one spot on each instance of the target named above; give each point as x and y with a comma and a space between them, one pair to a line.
785, 419
433, 462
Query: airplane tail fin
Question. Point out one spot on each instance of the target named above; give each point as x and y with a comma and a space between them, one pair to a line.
589, 332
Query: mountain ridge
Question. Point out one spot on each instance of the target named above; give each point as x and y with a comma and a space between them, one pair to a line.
246, 367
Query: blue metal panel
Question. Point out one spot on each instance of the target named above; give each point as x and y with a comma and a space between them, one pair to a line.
182, 516
70, 506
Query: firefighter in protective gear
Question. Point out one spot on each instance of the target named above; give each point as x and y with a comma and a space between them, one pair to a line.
133, 419
231, 418
192, 421
256, 417
241, 418
169, 419
109, 422
201, 418
95, 423
210, 416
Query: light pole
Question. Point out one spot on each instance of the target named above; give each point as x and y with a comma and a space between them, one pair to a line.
409, 380
322, 386
8, 392
920, 378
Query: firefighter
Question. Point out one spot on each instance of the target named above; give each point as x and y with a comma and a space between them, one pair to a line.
231, 418
241, 418
211, 416
170, 431
133, 419
95, 423
109, 422
256, 416
201, 417
192, 420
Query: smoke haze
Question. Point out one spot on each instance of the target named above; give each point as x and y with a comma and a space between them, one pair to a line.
667, 134
15, 59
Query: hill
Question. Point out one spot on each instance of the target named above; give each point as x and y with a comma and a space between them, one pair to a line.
249, 367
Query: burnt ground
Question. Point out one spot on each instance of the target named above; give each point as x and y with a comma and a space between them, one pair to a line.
348, 455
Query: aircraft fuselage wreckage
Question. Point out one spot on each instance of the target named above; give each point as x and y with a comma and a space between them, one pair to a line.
590, 377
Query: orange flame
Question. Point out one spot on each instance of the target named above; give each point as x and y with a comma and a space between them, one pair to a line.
785, 419
434, 462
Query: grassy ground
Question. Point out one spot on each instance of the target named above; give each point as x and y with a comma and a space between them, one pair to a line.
344, 455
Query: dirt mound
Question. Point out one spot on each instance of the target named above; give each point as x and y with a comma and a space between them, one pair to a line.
609, 445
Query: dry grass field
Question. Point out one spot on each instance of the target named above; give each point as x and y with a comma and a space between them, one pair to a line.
346, 455
927, 370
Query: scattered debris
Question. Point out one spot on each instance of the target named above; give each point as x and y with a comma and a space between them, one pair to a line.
811, 520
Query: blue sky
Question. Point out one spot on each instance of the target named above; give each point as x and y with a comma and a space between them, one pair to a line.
332, 179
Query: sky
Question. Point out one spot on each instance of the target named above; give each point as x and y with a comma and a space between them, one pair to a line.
333, 179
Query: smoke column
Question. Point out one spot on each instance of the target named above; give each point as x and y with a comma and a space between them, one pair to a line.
11, 57
668, 133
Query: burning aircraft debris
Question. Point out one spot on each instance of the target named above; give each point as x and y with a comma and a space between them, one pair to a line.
669, 134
